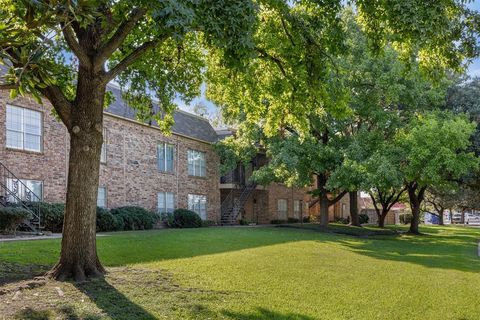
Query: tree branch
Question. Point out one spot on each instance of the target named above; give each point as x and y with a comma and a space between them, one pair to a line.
397, 198
119, 36
337, 198
73, 44
131, 58
61, 104
277, 61
8, 86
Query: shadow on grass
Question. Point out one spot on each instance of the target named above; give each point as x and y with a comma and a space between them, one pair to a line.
13, 272
112, 302
63, 313
433, 249
264, 314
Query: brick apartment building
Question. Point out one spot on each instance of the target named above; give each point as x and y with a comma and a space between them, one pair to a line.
141, 166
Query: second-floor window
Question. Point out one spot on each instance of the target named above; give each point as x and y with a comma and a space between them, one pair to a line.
196, 163
24, 129
165, 156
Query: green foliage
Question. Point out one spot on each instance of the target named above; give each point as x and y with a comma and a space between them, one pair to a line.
406, 218
363, 218
51, 214
134, 218
278, 221
33, 42
342, 220
106, 221
293, 220
435, 148
12, 217
208, 223
183, 218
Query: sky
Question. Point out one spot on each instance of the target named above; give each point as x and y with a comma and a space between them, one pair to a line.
473, 70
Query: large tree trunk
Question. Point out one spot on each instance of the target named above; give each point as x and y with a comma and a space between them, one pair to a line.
441, 218
324, 204
381, 219
415, 220
354, 219
416, 196
78, 257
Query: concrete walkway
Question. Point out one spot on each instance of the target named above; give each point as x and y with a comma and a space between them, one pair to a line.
33, 237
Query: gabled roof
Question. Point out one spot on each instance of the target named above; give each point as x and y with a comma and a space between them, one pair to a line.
186, 124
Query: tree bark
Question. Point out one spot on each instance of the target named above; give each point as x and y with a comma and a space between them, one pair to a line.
354, 219
381, 219
416, 196
324, 204
78, 258
441, 218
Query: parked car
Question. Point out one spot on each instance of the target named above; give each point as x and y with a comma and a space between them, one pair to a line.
457, 218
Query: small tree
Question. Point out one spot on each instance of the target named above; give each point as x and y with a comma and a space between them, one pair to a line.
434, 150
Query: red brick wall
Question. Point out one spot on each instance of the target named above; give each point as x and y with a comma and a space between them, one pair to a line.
130, 174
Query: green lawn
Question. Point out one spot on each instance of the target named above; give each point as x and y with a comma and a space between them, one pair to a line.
255, 273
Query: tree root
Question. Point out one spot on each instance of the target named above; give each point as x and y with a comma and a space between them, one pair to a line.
76, 271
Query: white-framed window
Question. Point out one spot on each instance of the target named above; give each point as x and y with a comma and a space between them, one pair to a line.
297, 208
165, 156
102, 197
165, 202
103, 154
196, 163
282, 209
344, 209
25, 190
198, 204
24, 129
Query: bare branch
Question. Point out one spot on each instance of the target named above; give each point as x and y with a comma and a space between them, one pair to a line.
61, 104
119, 36
131, 58
72, 42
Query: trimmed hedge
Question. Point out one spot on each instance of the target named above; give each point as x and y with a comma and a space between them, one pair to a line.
124, 218
183, 218
278, 221
133, 218
12, 217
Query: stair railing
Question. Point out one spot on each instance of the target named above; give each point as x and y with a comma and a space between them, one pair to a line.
10, 193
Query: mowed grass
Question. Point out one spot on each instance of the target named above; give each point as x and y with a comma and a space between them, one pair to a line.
256, 273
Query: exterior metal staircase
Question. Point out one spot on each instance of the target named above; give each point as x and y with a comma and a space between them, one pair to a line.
234, 202
11, 195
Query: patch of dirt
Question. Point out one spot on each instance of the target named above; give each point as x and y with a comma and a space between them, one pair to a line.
124, 293
12, 272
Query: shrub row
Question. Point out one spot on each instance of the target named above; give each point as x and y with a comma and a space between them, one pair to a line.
118, 219
12, 217
183, 218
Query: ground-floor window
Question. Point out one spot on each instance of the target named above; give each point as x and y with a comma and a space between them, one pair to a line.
165, 202
25, 190
297, 208
282, 209
102, 197
198, 204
